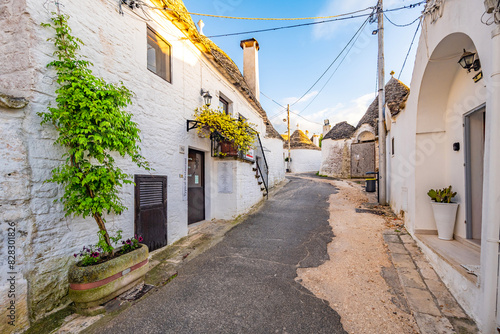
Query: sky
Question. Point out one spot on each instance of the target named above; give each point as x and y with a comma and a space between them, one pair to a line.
292, 60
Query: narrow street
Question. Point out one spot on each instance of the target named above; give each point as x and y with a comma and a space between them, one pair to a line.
247, 283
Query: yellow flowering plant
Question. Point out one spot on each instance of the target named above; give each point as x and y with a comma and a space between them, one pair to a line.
223, 127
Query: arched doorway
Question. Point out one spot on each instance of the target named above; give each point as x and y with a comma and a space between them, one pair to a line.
447, 96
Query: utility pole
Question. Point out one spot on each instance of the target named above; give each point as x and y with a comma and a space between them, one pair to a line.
381, 103
288, 126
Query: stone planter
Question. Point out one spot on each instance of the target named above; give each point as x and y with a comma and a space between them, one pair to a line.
445, 215
90, 287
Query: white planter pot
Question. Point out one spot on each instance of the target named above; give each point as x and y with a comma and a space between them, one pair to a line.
445, 215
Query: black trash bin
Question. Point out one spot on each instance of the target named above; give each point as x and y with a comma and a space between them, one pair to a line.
371, 185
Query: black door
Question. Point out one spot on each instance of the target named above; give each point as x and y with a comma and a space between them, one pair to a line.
151, 210
196, 186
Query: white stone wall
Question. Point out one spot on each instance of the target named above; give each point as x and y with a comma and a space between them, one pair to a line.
117, 46
304, 160
441, 93
273, 149
336, 158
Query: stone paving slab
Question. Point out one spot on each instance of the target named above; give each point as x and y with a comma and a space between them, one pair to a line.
430, 324
402, 261
448, 305
397, 248
421, 301
435, 309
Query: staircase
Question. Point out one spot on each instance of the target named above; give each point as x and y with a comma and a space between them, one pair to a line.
261, 168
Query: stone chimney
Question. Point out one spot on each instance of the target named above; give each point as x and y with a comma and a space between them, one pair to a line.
315, 139
251, 65
201, 24
327, 127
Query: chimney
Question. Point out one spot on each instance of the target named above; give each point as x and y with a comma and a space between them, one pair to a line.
315, 139
201, 24
251, 65
307, 133
326, 127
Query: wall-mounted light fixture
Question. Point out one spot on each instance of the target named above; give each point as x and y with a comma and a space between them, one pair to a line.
206, 97
468, 61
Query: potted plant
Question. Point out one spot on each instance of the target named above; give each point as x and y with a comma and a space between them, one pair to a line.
233, 135
93, 128
97, 278
445, 212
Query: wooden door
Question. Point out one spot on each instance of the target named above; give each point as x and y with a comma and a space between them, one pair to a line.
196, 186
362, 159
151, 210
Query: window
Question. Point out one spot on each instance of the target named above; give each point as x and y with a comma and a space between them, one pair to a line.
224, 105
159, 54
392, 146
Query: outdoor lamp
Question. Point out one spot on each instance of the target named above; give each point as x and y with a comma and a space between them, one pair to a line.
467, 61
206, 97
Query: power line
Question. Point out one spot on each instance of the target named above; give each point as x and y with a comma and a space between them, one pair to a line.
288, 27
281, 19
335, 71
402, 25
314, 23
273, 100
406, 58
333, 62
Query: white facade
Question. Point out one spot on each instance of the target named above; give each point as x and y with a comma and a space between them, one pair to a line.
442, 96
336, 158
116, 44
305, 160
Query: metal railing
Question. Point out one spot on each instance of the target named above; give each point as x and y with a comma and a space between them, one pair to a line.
261, 162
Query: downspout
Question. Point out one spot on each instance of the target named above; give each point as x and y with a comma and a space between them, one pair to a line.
491, 194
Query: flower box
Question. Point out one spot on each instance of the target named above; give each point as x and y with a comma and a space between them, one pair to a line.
92, 286
227, 148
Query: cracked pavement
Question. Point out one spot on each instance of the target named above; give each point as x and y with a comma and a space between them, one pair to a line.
246, 283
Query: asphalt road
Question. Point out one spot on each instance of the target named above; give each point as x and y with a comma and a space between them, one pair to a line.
245, 284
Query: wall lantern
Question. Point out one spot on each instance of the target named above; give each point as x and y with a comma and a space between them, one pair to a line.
206, 97
467, 61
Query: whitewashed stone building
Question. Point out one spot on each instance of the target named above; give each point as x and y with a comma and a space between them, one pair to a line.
123, 47
305, 155
448, 134
349, 151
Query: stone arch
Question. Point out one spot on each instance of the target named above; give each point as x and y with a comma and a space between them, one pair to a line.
444, 97
365, 136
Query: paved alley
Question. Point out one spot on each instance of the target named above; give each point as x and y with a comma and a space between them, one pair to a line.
246, 283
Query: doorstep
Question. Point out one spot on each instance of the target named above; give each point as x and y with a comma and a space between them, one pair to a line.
457, 253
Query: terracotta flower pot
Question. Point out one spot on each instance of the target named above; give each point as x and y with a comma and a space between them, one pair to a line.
92, 286
227, 148
445, 215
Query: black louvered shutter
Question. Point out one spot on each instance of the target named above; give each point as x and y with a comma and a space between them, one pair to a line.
151, 210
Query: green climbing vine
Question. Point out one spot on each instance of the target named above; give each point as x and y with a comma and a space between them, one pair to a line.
94, 128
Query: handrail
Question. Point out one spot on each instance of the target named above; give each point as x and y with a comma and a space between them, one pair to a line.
262, 149
263, 180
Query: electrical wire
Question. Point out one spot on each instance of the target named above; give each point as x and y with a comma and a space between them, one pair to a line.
412, 41
338, 66
281, 19
402, 25
314, 23
333, 62
288, 27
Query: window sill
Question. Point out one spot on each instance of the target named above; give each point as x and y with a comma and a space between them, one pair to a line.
454, 252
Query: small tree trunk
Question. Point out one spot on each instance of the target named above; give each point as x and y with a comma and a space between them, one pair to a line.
102, 227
